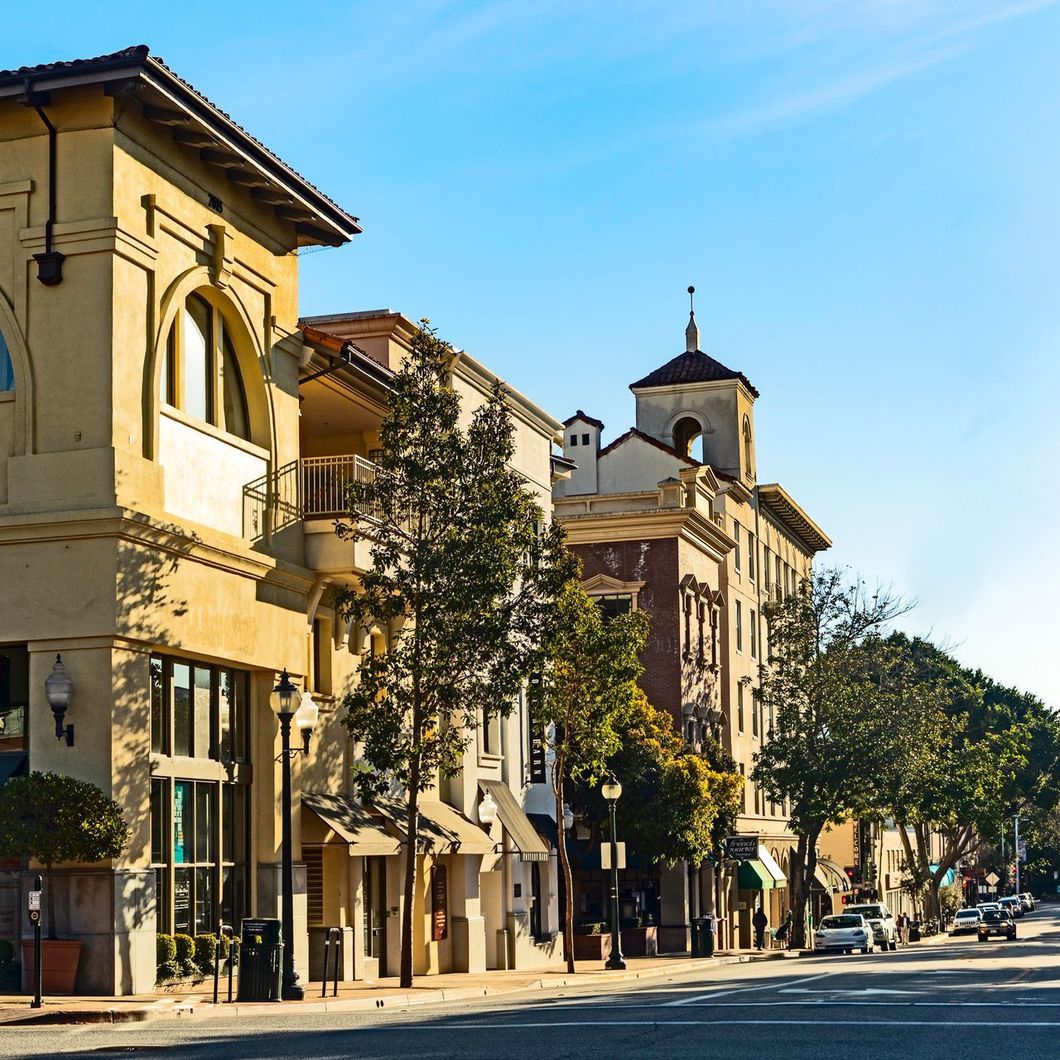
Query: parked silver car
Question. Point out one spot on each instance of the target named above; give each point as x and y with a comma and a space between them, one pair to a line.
881, 920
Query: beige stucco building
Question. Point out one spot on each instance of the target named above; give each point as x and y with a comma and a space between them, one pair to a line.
671, 517
173, 442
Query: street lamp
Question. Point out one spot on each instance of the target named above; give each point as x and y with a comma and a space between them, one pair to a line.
612, 790
57, 689
305, 719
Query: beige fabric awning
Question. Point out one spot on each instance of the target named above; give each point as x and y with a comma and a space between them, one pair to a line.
774, 870
835, 875
443, 829
363, 831
522, 833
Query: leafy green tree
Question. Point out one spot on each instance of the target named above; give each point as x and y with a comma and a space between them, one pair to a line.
464, 578
589, 687
817, 681
658, 768
964, 754
53, 818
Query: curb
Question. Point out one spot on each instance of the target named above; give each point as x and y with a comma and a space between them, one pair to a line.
207, 1009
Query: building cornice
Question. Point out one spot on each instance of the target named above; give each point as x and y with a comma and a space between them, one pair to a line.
648, 525
774, 499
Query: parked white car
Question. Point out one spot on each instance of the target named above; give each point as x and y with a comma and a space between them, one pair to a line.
881, 920
966, 921
845, 932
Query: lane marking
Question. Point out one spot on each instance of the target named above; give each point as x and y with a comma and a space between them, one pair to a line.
745, 990
433, 1028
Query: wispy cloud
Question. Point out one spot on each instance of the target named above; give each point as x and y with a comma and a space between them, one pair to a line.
911, 30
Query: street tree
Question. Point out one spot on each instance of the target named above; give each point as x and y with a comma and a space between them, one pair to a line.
964, 754
657, 767
52, 818
463, 581
588, 690
817, 682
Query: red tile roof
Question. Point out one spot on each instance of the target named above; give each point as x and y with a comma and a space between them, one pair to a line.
634, 433
692, 366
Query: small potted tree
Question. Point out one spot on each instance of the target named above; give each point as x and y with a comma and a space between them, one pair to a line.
53, 818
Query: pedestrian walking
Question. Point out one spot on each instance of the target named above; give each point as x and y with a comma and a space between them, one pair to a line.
903, 929
760, 922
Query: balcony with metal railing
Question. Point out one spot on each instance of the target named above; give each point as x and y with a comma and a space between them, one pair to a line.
313, 491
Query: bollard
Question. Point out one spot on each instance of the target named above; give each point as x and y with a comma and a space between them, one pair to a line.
334, 935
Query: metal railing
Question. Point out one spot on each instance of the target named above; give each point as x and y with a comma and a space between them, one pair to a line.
314, 487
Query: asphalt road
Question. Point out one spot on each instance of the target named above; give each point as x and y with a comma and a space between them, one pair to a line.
960, 998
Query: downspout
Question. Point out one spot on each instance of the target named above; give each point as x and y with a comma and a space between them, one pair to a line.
50, 263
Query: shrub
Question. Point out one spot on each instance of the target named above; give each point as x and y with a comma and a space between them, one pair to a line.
185, 953
224, 947
165, 949
168, 970
206, 953
589, 927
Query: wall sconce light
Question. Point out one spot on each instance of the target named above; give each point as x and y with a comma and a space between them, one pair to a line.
57, 687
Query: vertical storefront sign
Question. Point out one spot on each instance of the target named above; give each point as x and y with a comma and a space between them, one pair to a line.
180, 792
439, 903
535, 690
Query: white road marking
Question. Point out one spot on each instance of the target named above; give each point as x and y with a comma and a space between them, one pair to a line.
450, 1028
743, 990
853, 993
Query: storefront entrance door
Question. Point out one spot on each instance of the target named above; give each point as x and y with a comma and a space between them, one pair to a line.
375, 910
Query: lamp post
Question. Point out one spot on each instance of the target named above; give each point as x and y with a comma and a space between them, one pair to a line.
305, 719
611, 791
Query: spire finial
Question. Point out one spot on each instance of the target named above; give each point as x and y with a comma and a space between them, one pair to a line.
691, 332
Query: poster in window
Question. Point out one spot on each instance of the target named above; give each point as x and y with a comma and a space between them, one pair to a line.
180, 792
439, 904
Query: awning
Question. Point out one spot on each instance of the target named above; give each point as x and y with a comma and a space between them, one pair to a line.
834, 875
515, 822
753, 876
771, 866
443, 829
949, 877
761, 874
364, 832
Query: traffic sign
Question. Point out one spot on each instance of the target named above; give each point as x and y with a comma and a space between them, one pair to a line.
993, 879
742, 847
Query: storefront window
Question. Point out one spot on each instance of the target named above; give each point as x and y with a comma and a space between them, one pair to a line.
200, 828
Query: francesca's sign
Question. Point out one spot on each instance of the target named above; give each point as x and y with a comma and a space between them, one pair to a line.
742, 847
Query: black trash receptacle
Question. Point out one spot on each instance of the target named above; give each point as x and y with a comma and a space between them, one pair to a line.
260, 960
914, 931
697, 936
708, 936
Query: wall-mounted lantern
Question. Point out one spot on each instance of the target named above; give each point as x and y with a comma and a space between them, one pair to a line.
57, 687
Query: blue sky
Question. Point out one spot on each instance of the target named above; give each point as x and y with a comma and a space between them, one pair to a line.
865, 194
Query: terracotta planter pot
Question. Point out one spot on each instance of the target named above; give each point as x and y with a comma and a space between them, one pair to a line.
592, 947
59, 963
640, 942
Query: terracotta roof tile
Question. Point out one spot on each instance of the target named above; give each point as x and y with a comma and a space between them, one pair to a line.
579, 415
692, 366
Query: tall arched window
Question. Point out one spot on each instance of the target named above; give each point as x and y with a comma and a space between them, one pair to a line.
7, 371
200, 373
748, 464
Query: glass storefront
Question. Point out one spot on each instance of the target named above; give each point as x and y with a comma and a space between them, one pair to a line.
200, 810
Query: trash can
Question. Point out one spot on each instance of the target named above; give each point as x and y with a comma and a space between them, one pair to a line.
914, 931
698, 925
260, 960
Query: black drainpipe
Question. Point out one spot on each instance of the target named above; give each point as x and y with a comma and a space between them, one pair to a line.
50, 263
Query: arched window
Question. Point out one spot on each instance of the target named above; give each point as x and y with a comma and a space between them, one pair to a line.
748, 464
685, 432
7, 371
200, 373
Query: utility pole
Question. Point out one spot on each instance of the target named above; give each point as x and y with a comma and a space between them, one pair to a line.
1004, 863
1016, 844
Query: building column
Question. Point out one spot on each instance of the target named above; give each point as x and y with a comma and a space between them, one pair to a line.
674, 912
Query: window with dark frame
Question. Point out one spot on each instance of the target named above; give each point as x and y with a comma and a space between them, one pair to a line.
200, 828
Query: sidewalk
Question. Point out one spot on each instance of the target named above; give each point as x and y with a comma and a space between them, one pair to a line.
353, 997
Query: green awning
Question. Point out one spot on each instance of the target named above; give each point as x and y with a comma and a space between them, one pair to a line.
753, 876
